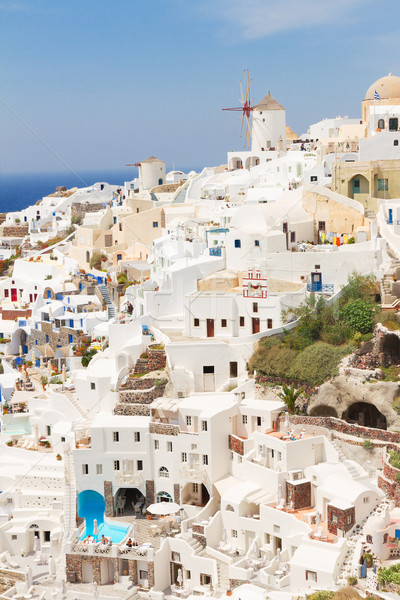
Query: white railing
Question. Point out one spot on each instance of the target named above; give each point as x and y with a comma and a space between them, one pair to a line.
195, 474
122, 478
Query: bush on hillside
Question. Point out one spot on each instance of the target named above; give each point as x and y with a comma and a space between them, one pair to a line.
318, 362
359, 315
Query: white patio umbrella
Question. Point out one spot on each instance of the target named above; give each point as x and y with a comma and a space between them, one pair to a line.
96, 594
287, 423
179, 578
36, 544
223, 538
163, 508
63, 589
256, 549
134, 531
317, 518
64, 373
52, 567
28, 577
278, 556
95, 529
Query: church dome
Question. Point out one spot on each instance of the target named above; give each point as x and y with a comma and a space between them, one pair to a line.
376, 523
387, 87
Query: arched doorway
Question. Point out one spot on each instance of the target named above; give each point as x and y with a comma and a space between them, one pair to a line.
365, 414
390, 346
322, 410
235, 163
164, 497
252, 161
129, 501
195, 494
91, 506
358, 184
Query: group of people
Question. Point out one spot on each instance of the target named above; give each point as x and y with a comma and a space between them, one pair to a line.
130, 543
104, 540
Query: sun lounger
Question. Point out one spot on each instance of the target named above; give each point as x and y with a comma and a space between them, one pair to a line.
11, 562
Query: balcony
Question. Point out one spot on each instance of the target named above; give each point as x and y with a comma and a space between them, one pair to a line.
123, 479
194, 474
216, 251
321, 288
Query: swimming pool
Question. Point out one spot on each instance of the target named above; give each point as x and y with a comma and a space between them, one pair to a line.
91, 506
115, 531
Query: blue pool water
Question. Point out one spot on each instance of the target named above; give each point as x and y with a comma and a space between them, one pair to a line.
91, 506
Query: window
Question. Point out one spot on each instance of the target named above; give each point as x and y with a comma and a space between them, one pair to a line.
269, 323
321, 225
393, 124
234, 533
99, 469
196, 322
334, 518
62, 439
244, 419
14, 537
163, 472
277, 529
116, 465
195, 488
381, 123
139, 465
116, 436
183, 457
136, 436
285, 228
92, 385
255, 307
396, 143
258, 421
176, 557
85, 469
48, 429
142, 574
169, 446
292, 236
349, 519
156, 444
5, 293
46, 535
383, 185
241, 321
369, 539
188, 420
257, 243
205, 459
313, 178
155, 223
311, 576
237, 244
204, 425
223, 322
366, 499
47, 339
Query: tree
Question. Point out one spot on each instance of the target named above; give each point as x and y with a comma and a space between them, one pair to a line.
289, 395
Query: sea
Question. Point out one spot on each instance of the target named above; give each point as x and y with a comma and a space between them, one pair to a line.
19, 190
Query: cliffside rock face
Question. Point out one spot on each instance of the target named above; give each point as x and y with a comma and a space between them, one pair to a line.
336, 397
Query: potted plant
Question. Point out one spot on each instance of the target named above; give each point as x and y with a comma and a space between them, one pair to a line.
59, 457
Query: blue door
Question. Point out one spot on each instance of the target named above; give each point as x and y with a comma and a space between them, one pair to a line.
397, 534
390, 216
316, 282
356, 186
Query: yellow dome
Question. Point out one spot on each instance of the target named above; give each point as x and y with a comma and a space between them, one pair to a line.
387, 87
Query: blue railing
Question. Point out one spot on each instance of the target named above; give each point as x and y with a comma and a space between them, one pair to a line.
215, 252
59, 297
321, 288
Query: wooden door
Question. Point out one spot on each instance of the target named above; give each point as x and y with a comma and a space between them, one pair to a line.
255, 324
210, 327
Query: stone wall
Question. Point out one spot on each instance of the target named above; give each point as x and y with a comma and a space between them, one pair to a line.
15, 231
200, 538
74, 563
79, 209
149, 491
109, 499
150, 573
10, 314
344, 427
133, 574
299, 494
57, 338
343, 516
142, 410
236, 444
164, 429
234, 583
140, 395
177, 493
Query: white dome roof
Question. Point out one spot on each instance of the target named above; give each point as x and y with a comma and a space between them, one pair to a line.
376, 523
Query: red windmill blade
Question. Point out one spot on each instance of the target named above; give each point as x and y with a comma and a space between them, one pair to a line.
133, 165
247, 107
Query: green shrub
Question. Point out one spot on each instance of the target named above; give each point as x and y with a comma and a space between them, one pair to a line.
359, 315
96, 260
389, 574
352, 580
318, 362
394, 459
321, 595
367, 444
396, 404
338, 334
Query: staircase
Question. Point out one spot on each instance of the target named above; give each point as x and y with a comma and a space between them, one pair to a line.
199, 550
350, 468
75, 403
110, 307
387, 299
69, 510
223, 577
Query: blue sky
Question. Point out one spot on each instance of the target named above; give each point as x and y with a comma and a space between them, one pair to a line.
97, 84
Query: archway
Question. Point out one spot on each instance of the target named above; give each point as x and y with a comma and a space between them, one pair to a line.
91, 505
390, 346
358, 184
235, 163
164, 497
322, 410
365, 414
252, 161
129, 501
